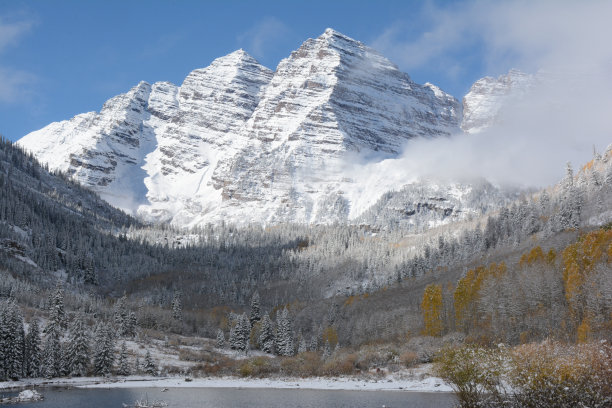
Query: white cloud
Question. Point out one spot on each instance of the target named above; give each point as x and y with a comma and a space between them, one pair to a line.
559, 121
10, 32
264, 34
15, 84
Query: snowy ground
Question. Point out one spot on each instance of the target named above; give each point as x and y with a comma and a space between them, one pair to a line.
409, 380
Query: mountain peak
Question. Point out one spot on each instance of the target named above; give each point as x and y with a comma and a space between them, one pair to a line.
488, 96
236, 139
330, 32
338, 39
239, 56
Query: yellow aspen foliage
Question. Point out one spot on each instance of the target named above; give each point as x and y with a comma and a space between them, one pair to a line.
330, 335
349, 300
467, 291
464, 295
523, 260
432, 310
584, 331
579, 259
551, 257
535, 255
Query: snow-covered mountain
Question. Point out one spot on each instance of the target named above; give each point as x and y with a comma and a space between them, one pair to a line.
488, 96
238, 142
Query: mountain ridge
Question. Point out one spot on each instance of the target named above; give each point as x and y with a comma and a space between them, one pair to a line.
238, 141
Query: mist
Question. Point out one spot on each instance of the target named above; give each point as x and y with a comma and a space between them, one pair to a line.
562, 118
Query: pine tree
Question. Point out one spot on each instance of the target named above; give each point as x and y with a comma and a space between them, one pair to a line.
255, 314
57, 315
302, 347
177, 306
33, 359
242, 333
52, 356
125, 320
266, 336
220, 339
12, 341
104, 351
149, 366
326, 350
78, 349
123, 367
284, 333
314, 343
137, 367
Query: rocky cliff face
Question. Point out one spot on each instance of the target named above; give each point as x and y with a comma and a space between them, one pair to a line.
240, 143
488, 96
332, 100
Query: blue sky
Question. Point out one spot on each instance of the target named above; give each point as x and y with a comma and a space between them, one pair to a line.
60, 58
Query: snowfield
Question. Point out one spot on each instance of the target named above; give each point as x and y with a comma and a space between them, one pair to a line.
415, 380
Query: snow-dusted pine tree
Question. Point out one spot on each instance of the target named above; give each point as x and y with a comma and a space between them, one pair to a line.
78, 349
302, 347
220, 339
123, 367
137, 366
12, 341
326, 350
177, 306
104, 353
33, 359
57, 315
52, 356
266, 336
243, 332
149, 366
255, 314
284, 333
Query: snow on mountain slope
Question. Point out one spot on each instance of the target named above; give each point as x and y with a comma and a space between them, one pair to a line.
488, 96
212, 106
241, 143
333, 101
101, 150
150, 151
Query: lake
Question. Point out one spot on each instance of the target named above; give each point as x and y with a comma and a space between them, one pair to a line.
237, 398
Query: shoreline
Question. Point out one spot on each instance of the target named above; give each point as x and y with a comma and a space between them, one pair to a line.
427, 384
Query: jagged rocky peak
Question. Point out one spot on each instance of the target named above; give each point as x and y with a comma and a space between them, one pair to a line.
231, 82
237, 141
360, 97
488, 96
331, 99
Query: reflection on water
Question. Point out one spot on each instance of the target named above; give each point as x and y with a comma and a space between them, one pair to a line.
239, 398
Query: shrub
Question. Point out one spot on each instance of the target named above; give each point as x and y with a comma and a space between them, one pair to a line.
340, 365
306, 364
257, 367
474, 373
559, 375
549, 374
409, 358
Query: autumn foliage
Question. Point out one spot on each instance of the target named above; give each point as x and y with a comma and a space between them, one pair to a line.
565, 295
547, 374
432, 310
579, 261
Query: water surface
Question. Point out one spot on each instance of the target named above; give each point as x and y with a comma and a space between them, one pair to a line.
238, 398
